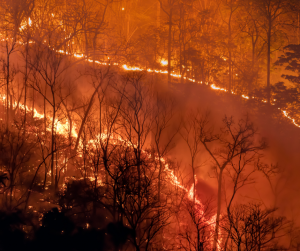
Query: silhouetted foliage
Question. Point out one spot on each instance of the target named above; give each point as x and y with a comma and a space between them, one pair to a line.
291, 61
89, 125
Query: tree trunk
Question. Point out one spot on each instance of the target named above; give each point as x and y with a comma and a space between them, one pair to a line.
230, 72
25, 87
194, 183
32, 102
7, 90
45, 110
216, 237
169, 47
159, 177
252, 70
88, 111
158, 15
127, 20
182, 44
230, 54
139, 167
53, 142
269, 62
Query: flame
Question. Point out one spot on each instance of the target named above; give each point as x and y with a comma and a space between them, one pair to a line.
244, 96
191, 192
25, 23
290, 118
213, 86
131, 68
62, 128
164, 62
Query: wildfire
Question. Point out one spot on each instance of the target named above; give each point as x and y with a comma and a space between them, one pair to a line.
191, 193
61, 127
25, 23
164, 62
290, 118
213, 86
125, 67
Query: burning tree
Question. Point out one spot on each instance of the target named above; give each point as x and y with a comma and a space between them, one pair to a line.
196, 224
135, 114
49, 81
237, 150
252, 227
164, 130
120, 134
16, 150
14, 17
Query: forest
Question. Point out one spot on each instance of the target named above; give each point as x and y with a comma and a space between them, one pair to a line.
149, 125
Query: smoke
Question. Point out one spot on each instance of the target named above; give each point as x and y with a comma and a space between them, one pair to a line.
282, 137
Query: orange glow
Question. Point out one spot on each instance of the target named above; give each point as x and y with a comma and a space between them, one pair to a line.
25, 23
164, 62
290, 118
213, 86
128, 68
62, 128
